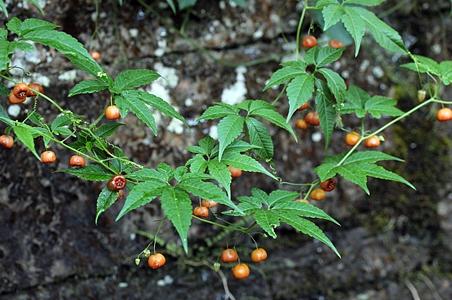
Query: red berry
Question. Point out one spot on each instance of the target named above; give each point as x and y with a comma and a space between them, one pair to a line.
259, 255
112, 113
20, 90
156, 261
304, 106
312, 118
241, 271
208, 203
229, 256
34, 87
48, 157
235, 172
309, 41
201, 212
6, 141
444, 114
117, 183
14, 100
336, 44
77, 161
95, 55
328, 185
352, 138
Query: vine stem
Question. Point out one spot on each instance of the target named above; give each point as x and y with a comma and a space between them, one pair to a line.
300, 24
386, 126
241, 229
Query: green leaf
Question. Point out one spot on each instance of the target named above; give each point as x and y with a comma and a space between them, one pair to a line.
172, 5
69, 47
218, 111
37, 4
88, 87
299, 91
4, 55
229, 128
177, 207
245, 163
446, 71
356, 99
378, 106
327, 55
207, 144
260, 136
303, 210
20, 45
158, 104
335, 83
31, 24
423, 64
130, 79
139, 109
354, 25
285, 74
90, 172
198, 164
275, 118
24, 134
104, 201
308, 228
281, 196
267, 220
239, 146
183, 4
383, 34
206, 190
3, 8
146, 174
365, 2
331, 15
107, 129
141, 194
327, 116
221, 174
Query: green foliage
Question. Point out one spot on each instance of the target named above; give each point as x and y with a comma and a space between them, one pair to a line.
270, 210
422, 64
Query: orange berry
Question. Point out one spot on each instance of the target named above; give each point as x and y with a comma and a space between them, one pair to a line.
304, 106
352, 138
444, 114
6, 141
318, 194
77, 161
112, 113
48, 157
259, 255
96, 55
309, 41
36, 87
201, 212
229, 256
208, 203
312, 118
372, 142
156, 261
301, 124
336, 44
235, 172
14, 100
241, 271
20, 90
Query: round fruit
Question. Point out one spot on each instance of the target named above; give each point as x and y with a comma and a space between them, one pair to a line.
229, 256
14, 100
304, 106
48, 157
312, 118
352, 138
96, 55
421, 95
336, 44
235, 172
156, 261
318, 194
112, 113
77, 161
301, 124
201, 212
259, 255
372, 142
34, 87
117, 183
444, 114
20, 90
208, 203
328, 185
241, 271
6, 141
309, 41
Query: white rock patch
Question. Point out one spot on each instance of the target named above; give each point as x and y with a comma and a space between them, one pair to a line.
235, 93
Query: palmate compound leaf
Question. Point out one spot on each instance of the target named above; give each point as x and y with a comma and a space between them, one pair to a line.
285, 74
177, 207
278, 207
358, 167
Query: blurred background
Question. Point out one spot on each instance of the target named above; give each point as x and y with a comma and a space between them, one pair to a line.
395, 244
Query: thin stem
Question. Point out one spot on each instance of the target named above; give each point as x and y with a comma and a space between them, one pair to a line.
300, 24
229, 228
